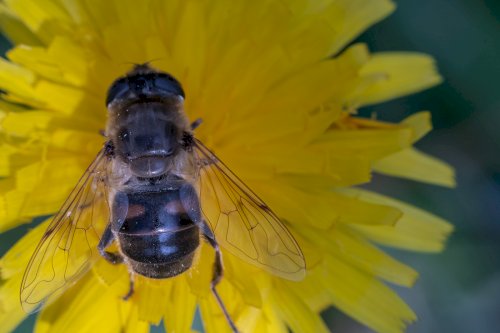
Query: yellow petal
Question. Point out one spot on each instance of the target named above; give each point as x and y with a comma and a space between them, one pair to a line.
91, 306
399, 74
200, 274
190, 31
181, 307
417, 230
11, 312
306, 90
66, 99
25, 123
251, 320
11, 204
358, 252
272, 322
342, 170
151, 297
294, 311
35, 194
5, 160
363, 297
52, 62
16, 80
354, 250
322, 209
213, 319
37, 16
354, 16
14, 29
413, 164
369, 143
14, 262
310, 291
420, 123
245, 278
77, 142
12, 266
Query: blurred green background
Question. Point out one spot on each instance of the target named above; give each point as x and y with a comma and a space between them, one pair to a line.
458, 290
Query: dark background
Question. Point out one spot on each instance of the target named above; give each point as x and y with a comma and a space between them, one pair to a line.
458, 290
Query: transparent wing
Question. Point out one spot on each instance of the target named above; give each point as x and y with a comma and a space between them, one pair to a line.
68, 247
242, 223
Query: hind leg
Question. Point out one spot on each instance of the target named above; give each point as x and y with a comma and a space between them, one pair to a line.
190, 202
218, 273
113, 258
106, 240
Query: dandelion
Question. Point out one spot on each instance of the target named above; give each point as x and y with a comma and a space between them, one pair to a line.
277, 86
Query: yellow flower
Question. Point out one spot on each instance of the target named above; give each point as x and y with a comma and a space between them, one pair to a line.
275, 107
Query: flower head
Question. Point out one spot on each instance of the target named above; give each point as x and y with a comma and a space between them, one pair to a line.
277, 108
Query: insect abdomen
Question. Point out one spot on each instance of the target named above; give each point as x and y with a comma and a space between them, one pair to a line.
157, 236
160, 255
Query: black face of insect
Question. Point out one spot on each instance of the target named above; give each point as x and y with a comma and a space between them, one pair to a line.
155, 190
143, 83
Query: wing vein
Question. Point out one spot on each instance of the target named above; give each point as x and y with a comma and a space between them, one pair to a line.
65, 250
250, 229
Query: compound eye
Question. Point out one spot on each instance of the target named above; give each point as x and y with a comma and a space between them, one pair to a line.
168, 84
118, 90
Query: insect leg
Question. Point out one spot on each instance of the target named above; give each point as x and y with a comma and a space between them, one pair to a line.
106, 240
196, 123
191, 204
131, 287
218, 272
114, 258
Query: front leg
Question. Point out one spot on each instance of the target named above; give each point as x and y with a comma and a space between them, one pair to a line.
196, 123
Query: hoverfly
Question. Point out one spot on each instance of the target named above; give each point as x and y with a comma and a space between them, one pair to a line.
152, 192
